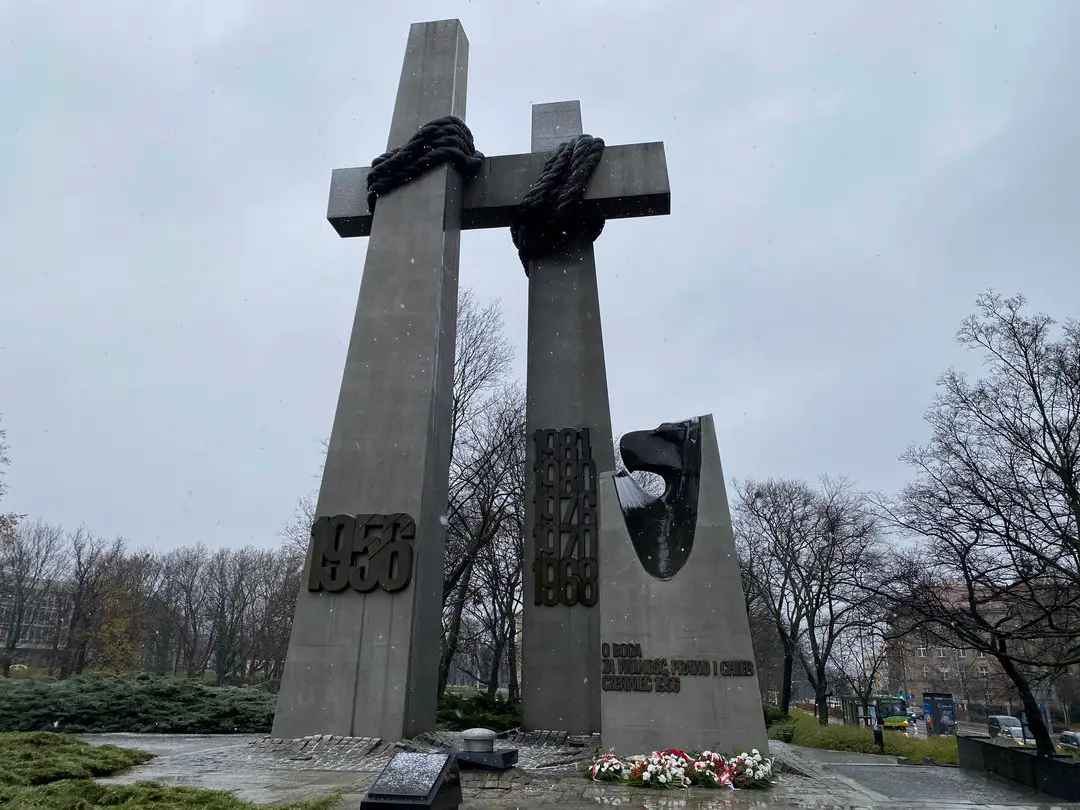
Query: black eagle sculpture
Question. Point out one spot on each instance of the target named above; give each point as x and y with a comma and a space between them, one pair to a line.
662, 528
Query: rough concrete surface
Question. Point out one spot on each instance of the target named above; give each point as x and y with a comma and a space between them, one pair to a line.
368, 663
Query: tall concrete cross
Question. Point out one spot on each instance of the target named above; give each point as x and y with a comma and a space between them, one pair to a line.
364, 652
363, 658
569, 423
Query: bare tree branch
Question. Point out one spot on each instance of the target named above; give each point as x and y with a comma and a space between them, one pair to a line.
996, 503
803, 551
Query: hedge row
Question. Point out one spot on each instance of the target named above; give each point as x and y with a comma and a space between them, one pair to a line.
142, 704
147, 704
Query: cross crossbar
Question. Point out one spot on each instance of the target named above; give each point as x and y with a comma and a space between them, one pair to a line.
630, 181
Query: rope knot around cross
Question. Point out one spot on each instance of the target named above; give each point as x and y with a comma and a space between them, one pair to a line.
549, 218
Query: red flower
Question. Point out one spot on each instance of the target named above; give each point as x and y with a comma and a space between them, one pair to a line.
675, 752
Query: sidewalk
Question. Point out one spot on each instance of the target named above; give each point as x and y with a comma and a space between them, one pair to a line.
888, 784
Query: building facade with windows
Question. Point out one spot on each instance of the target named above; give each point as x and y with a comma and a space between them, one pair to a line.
920, 664
42, 635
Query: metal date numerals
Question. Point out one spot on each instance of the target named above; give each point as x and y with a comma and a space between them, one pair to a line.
565, 528
568, 581
363, 552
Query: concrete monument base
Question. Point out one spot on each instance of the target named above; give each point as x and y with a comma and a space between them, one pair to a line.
677, 661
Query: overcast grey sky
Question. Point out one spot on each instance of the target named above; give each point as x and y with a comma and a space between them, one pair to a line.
846, 178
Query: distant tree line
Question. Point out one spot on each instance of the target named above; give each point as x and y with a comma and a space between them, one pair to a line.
78, 601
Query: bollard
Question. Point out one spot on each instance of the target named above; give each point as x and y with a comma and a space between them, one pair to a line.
478, 751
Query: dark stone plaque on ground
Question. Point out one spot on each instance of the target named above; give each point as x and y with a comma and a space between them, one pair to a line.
416, 780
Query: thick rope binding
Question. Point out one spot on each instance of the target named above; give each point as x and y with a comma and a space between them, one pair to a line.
444, 140
550, 216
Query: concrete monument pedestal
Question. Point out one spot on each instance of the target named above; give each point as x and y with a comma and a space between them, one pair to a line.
677, 661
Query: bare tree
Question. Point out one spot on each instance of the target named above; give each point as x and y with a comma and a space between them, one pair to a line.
844, 550
278, 586
8, 520
5, 460
768, 648
495, 602
773, 519
91, 560
481, 366
187, 585
488, 487
297, 532
996, 503
32, 558
862, 652
476, 505
482, 359
127, 636
231, 596
495, 592
514, 530
804, 553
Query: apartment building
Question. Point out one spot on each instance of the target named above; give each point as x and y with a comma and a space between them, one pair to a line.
46, 617
920, 664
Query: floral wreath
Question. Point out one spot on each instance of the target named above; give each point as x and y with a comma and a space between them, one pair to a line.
675, 768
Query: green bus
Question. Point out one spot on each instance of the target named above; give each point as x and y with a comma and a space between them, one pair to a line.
893, 712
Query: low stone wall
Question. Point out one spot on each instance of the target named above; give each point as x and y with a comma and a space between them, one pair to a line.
1055, 776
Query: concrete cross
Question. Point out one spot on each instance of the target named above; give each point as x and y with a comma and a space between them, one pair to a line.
568, 420
566, 387
363, 659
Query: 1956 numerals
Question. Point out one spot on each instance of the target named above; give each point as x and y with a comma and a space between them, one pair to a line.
363, 552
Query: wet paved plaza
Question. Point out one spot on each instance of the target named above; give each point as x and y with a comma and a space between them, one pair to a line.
261, 771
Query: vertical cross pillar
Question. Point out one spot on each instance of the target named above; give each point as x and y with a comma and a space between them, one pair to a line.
569, 425
364, 654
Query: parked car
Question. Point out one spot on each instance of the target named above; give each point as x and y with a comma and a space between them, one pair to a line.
1009, 728
1017, 735
1069, 739
995, 723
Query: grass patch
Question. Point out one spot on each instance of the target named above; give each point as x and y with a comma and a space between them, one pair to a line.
457, 712
804, 729
39, 758
45, 771
142, 704
73, 794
